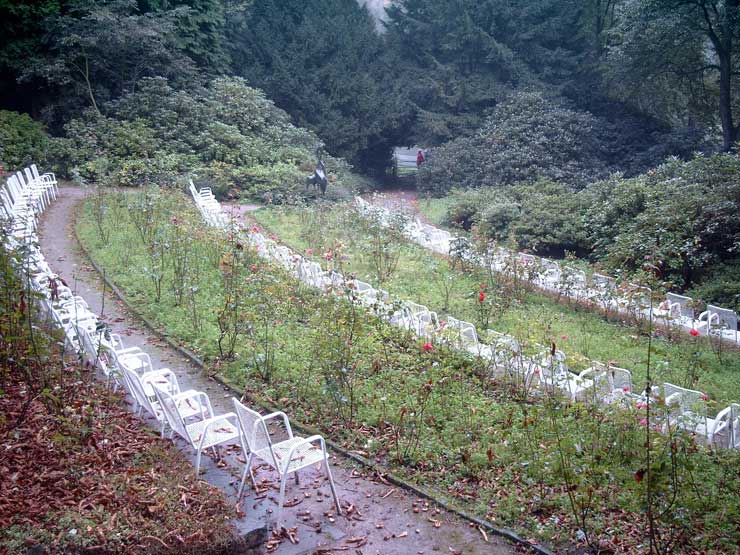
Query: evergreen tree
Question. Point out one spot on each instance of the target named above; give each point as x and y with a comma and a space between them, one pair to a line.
323, 62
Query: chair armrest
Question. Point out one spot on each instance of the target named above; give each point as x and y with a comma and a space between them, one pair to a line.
190, 394
202, 399
718, 423
149, 377
129, 351
673, 399
279, 414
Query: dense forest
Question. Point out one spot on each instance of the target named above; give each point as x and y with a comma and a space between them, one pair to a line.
652, 77
545, 96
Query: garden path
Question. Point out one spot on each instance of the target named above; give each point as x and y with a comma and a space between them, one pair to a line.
386, 520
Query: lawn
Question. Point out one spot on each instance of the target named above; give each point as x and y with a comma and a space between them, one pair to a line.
434, 210
533, 463
532, 317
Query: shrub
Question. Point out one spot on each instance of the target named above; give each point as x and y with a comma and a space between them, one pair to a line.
543, 216
23, 141
549, 219
721, 287
682, 216
465, 206
526, 138
228, 135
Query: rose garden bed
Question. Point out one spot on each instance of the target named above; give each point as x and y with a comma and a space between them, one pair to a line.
553, 470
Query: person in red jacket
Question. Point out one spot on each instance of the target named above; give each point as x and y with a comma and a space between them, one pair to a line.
419, 158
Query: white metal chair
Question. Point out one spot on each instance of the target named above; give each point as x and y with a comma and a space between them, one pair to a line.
201, 433
190, 403
287, 456
724, 429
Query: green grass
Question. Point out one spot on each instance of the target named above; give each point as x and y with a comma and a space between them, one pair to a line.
434, 209
534, 318
437, 417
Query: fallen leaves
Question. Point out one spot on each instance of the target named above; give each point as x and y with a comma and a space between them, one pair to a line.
126, 486
278, 536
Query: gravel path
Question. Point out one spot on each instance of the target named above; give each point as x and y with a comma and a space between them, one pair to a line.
390, 520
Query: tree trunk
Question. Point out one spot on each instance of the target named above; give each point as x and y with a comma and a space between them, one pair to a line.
729, 131
724, 53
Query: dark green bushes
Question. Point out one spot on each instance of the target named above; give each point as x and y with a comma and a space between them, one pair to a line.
526, 138
227, 135
681, 217
22, 140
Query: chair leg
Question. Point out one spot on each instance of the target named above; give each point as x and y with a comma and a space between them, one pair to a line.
283, 480
197, 464
331, 485
247, 468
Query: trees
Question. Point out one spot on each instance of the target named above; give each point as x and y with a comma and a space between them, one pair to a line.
323, 62
682, 216
678, 60
227, 134
200, 29
95, 52
452, 64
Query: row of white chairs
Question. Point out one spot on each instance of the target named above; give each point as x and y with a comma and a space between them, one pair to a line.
603, 291
545, 371
24, 196
156, 391
208, 206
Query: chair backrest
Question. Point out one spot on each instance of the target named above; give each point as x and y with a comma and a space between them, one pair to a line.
619, 378
29, 176
688, 400
415, 309
685, 305
171, 413
725, 317
89, 347
466, 333
527, 259
136, 389
603, 282
22, 182
35, 171
555, 363
548, 264
362, 287
638, 296
253, 431
573, 277
733, 426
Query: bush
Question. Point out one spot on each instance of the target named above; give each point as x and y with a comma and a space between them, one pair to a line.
228, 135
526, 138
722, 286
543, 216
549, 221
682, 217
465, 206
23, 141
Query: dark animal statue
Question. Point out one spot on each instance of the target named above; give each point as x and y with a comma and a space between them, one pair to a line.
318, 179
